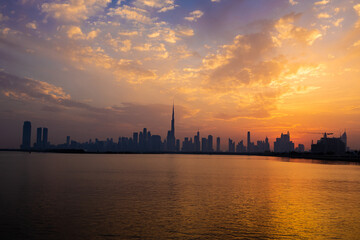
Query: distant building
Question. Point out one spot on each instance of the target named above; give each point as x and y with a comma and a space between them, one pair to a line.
283, 144
177, 147
155, 143
248, 143
262, 146
300, 148
188, 145
231, 146
26, 137
204, 147
218, 144
240, 147
171, 145
210, 143
45, 142
38, 137
68, 140
197, 142
329, 146
344, 139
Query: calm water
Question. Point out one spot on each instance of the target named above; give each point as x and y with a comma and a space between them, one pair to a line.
64, 196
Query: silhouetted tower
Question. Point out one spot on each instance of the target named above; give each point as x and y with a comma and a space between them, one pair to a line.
210, 143
171, 134
231, 146
38, 136
45, 137
248, 142
344, 139
218, 144
204, 145
68, 140
197, 141
135, 141
26, 138
173, 121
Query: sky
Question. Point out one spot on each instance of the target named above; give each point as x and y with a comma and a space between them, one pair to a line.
101, 68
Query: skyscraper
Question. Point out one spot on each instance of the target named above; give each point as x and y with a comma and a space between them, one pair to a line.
171, 134
45, 137
210, 143
173, 121
38, 136
344, 139
135, 141
248, 142
26, 138
197, 141
283, 144
218, 144
204, 145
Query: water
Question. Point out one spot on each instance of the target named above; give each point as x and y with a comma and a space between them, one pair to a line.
65, 196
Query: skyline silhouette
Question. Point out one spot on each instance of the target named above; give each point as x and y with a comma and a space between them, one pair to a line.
144, 141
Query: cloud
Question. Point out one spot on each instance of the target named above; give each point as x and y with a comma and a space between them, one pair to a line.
129, 34
194, 16
215, 0
73, 10
323, 15
131, 14
286, 30
357, 9
322, 2
160, 50
118, 44
162, 5
356, 44
75, 32
30, 89
241, 63
128, 70
31, 25
170, 35
3, 17
293, 2
337, 23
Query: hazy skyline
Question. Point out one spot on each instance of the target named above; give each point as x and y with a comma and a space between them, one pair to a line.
100, 68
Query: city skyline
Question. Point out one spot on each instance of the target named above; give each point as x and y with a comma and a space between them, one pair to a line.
104, 68
144, 141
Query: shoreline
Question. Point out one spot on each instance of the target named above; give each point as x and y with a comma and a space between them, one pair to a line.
292, 155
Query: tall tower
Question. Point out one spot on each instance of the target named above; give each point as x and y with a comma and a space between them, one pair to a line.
45, 137
26, 138
171, 134
248, 142
344, 139
173, 122
38, 136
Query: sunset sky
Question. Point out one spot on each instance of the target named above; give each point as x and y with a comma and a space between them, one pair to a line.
102, 68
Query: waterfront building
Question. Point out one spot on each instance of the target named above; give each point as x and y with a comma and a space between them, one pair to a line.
283, 144
26, 137
328, 145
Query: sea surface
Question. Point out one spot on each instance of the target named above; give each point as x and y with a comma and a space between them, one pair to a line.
110, 196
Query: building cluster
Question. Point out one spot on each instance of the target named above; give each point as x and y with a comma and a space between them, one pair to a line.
328, 145
144, 141
251, 147
41, 138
